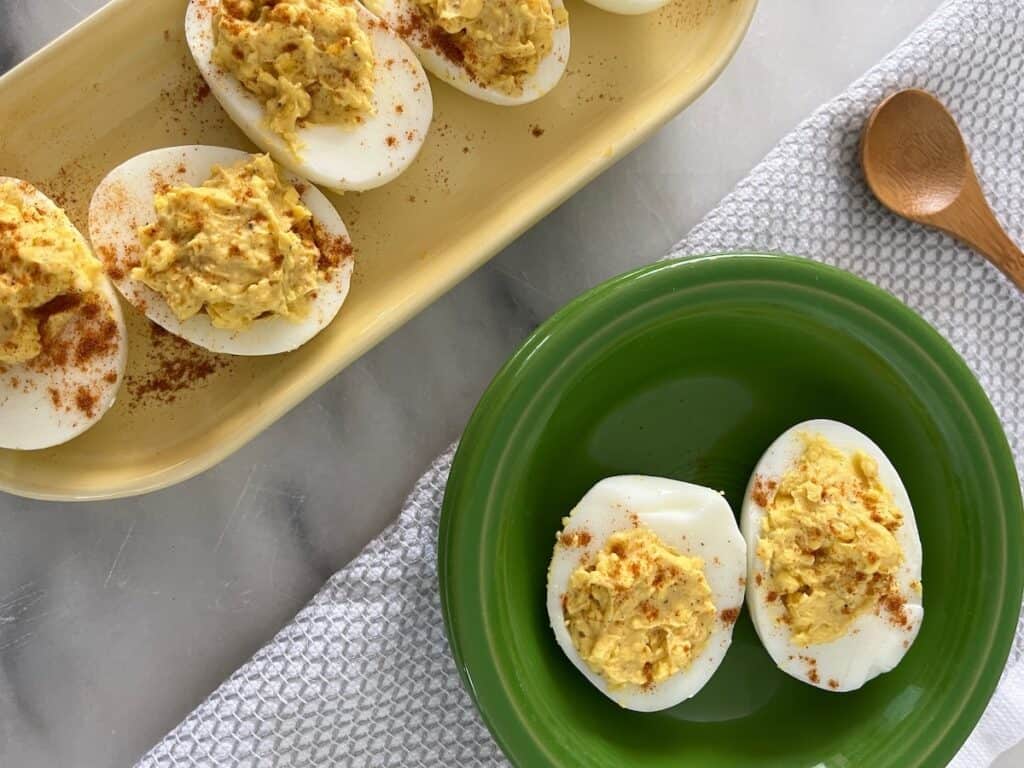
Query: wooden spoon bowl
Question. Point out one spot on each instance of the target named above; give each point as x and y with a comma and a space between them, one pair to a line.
917, 164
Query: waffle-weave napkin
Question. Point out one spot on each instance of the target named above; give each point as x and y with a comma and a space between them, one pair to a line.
363, 675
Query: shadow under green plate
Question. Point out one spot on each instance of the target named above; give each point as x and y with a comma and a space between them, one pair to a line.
690, 369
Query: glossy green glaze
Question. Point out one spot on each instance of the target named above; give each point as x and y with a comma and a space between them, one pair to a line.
689, 369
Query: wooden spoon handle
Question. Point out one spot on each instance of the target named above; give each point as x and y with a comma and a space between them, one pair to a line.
1005, 254
972, 220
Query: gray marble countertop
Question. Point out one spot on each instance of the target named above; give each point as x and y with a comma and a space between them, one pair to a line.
116, 619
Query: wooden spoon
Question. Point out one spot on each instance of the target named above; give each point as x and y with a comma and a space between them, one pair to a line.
917, 164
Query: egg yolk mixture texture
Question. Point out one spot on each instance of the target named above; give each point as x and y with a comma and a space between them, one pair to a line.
828, 542
500, 43
44, 265
640, 611
240, 247
309, 61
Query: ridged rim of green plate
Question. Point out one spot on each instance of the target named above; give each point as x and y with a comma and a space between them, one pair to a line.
467, 532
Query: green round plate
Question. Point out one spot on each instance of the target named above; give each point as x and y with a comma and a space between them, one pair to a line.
689, 369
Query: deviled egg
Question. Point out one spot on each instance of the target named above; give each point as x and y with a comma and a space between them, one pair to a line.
834, 557
62, 336
222, 248
322, 85
507, 52
645, 584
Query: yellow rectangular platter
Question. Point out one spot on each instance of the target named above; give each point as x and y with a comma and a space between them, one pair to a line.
122, 82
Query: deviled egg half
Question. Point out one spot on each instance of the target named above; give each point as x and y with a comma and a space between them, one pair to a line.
62, 336
834, 557
222, 248
645, 584
507, 52
322, 85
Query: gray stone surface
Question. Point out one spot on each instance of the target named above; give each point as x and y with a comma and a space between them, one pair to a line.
117, 619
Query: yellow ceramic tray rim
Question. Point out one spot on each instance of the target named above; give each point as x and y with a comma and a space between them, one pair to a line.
134, 89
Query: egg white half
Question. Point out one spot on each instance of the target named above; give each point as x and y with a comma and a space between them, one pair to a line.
123, 203
399, 14
697, 522
31, 417
338, 157
628, 7
874, 645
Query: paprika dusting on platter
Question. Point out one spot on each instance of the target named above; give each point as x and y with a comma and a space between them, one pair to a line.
173, 366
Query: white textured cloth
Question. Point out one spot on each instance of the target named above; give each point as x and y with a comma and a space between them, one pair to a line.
363, 675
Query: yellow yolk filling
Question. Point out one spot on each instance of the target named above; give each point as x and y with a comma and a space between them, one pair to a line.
828, 543
42, 258
308, 61
240, 247
500, 43
640, 611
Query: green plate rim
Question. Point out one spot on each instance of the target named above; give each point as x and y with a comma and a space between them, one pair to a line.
469, 642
